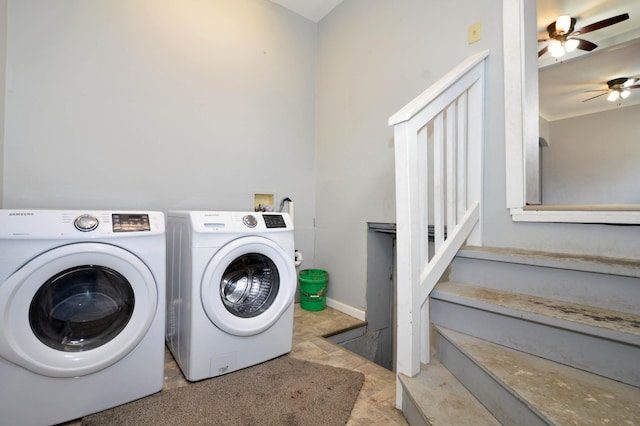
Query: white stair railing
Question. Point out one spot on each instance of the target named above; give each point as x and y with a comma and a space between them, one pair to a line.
438, 160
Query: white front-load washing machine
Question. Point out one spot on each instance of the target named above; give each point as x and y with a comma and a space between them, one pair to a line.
82, 302
231, 284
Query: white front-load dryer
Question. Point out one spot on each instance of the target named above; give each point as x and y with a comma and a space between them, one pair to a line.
231, 283
82, 302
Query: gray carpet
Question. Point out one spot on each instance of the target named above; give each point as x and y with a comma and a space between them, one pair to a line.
283, 391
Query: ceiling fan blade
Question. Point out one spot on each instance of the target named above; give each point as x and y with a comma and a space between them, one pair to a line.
586, 45
604, 23
543, 51
635, 86
597, 90
596, 96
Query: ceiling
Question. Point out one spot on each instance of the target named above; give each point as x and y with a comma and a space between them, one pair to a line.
563, 83
314, 10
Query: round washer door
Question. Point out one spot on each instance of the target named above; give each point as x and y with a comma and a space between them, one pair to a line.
76, 309
247, 285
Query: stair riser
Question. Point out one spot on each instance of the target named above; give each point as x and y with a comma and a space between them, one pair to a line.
505, 406
411, 411
615, 360
588, 288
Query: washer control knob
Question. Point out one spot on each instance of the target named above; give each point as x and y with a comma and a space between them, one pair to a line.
86, 223
250, 221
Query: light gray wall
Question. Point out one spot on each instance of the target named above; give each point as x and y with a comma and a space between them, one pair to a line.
160, 104
3, 67
594, 159
544, 129
374, 56
191, 104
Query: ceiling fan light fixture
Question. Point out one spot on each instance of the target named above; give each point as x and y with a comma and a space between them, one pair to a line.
630, 82
613, 96
571, 44
556, 49
625, 93
563, 24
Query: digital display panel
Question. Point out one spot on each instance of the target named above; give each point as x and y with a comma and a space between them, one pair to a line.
274, 221
130, 222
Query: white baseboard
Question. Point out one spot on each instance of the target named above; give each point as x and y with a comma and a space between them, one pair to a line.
349, 310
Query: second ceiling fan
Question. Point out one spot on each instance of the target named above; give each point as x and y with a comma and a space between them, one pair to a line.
562, 34
617, 88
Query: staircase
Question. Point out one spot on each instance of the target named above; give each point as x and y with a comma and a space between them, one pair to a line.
509, 336
527, 338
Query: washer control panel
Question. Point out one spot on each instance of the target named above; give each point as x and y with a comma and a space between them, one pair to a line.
270, 221
242, 222
121, 222
79, 224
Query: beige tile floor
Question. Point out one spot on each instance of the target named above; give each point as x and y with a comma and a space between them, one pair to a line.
376, 402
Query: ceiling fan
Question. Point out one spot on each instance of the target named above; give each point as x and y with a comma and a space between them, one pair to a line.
618, 88
562, 35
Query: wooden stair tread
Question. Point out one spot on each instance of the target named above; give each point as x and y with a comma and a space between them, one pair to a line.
599, 264
562, 395
442, 399
619, 325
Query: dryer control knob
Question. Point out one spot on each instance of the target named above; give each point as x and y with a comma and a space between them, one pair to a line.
86, 223
250, 220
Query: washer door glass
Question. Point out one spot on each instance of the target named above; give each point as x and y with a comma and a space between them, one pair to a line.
249, 285
81, 308
76, 309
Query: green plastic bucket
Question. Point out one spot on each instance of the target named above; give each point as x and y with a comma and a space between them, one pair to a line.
313, 289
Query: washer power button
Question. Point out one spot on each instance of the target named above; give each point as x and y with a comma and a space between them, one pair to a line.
86, 223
